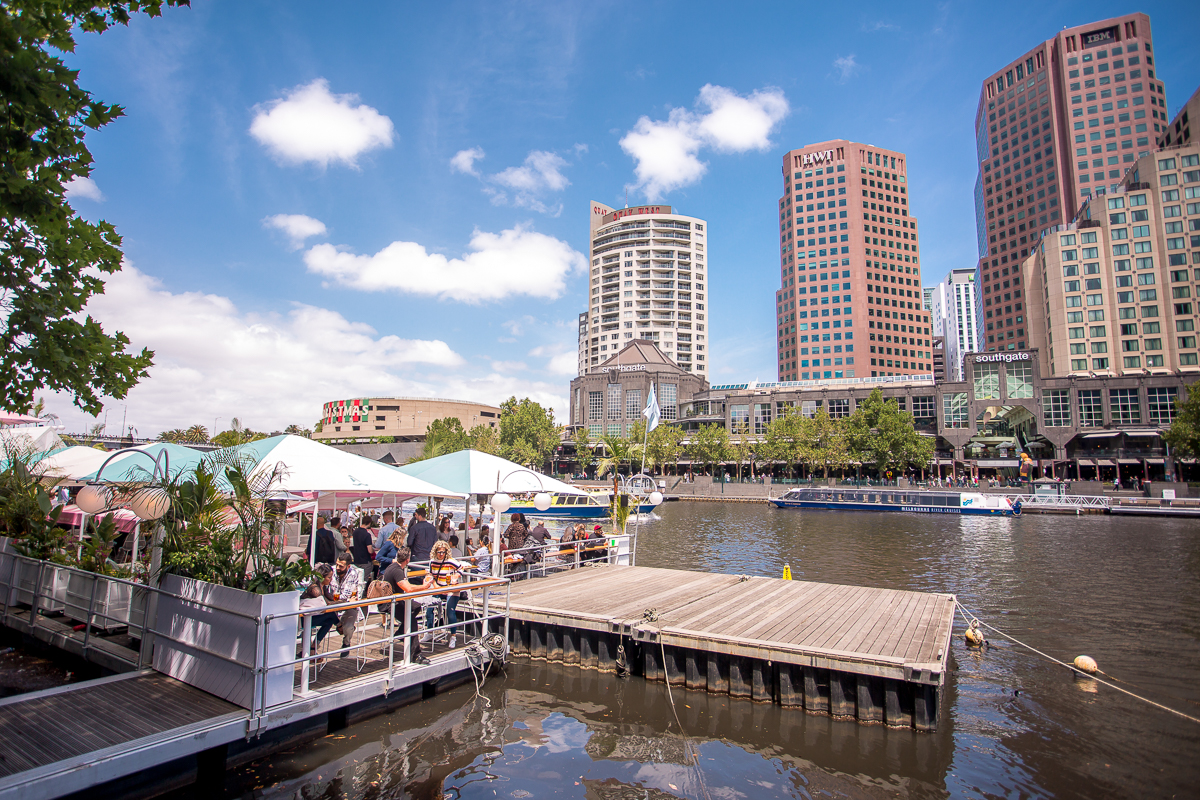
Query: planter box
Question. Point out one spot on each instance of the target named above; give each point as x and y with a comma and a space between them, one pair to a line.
220, 653
137, 612
53, 589
112, 600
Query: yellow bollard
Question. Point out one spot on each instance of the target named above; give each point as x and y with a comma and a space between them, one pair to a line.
787, 572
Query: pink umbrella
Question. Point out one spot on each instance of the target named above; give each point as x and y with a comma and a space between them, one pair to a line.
9, 418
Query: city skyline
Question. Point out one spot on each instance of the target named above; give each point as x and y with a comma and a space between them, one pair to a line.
274, 265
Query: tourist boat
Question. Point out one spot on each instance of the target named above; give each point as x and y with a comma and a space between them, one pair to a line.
572, 506
888, 498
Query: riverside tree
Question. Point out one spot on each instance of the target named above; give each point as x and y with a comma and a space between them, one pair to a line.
881, 433
1184, 434
709, 446
51, 260
528, 434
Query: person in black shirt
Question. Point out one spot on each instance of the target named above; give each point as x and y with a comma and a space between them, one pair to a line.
397, 575
362, 547
325, 551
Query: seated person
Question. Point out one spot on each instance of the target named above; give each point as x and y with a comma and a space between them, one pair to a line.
483, 553
389, 548
397, 575
313, 598
346, 583
445, 571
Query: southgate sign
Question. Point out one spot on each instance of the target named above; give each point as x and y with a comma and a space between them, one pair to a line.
1005, 357
609, 216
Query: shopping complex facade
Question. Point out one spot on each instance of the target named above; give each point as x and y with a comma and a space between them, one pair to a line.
403, 419
1075, 427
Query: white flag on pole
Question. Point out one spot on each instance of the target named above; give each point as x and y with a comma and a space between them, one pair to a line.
651, 412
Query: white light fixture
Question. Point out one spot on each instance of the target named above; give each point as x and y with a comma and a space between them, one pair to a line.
541, 501
501, 502
150, 503
92, 499
656, 498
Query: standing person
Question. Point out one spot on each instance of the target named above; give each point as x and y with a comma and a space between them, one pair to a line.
362, 547
397, 575
517, 533
326, 549
421, 536
385, 532
346, 584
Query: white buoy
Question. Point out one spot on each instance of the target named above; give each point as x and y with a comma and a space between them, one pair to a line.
1086, 664
973, 636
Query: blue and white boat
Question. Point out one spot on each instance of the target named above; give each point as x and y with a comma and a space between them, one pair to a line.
889, 498
572, 506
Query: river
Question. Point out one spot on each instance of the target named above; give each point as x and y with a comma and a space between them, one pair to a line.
1125, 591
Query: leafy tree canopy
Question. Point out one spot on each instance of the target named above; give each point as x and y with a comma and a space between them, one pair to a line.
1184, 434
528, 434
52, 261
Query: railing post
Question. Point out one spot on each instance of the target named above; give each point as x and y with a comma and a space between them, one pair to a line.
35, 595
391, 641
411, 631
87, 628
305, 652
487, 590
9, 589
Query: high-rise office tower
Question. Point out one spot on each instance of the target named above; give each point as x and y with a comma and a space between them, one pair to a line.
1056, 126
850, 302
1114, 292
954, 303
648, 281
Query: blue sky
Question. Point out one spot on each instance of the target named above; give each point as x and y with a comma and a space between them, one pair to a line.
325, 201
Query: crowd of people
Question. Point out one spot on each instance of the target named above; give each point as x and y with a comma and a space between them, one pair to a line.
382, 556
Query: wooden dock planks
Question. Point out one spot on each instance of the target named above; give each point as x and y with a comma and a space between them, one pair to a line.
48, 728
853, 629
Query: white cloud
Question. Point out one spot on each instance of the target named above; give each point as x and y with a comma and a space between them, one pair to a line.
541, 171
846, 67
516, 261
296, 227
214, 360
83, 188
464, 161
312, 124
563, 358
667, 152
509, 366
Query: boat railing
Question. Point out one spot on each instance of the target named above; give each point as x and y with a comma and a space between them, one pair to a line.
1058, 501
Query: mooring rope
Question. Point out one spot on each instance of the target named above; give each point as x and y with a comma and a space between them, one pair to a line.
972, 618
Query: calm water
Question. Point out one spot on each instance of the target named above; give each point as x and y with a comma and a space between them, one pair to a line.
1125, 591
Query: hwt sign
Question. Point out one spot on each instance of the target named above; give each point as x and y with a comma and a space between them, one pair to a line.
813, 159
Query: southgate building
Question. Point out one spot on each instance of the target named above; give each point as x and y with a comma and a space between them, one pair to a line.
850, 302
1056, 126
648, 282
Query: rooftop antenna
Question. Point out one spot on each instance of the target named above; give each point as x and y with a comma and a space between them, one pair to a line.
627, 197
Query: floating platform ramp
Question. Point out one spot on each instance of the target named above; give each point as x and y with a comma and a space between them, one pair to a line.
877, 655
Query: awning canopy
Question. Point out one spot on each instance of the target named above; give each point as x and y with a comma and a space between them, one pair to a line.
9, 418
309, 466
1132, 461
72, 463
1142, 432
136, 464
473, 472
1104, 462
1102, 435
1155, 461
125, 519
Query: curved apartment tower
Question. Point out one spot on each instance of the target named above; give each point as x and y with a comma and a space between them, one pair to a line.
648, 274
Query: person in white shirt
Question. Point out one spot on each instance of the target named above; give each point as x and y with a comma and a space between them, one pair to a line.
385, 532
346, 586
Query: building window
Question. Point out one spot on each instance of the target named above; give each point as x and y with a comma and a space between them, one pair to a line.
954, 410
594, 431
614, 401
839, 408
595, 399
633, 403
762, 417
578, 406
1056, 408
614, 429
924, 408
1124, 406
1161, 401
1019, 380
668, 399
987, 381
739, 419
1091, 411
